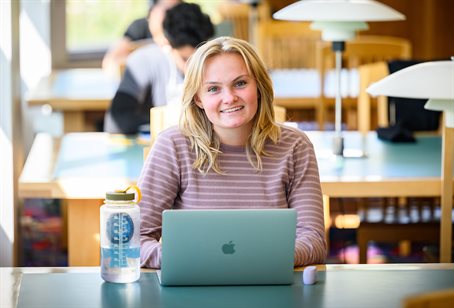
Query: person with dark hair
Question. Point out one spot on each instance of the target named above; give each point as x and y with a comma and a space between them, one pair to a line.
154, 73
140, 32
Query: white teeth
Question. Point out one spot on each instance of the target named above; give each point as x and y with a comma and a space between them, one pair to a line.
232, 109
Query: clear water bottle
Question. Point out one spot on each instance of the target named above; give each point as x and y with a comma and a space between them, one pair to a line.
120, 238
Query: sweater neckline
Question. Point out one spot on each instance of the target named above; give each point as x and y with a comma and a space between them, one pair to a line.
225, 148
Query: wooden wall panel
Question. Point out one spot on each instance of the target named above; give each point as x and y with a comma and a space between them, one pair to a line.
429, 25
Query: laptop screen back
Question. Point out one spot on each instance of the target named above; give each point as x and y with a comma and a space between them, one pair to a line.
228, 247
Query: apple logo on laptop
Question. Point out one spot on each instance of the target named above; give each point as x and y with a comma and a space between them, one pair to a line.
228, 248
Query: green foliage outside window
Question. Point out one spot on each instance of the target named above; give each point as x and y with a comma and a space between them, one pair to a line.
96, 24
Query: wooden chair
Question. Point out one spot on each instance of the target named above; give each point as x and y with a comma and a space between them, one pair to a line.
238, 14
280, 114
369, 106
161, 117
287, 46
434, 299
368, 74
362, 50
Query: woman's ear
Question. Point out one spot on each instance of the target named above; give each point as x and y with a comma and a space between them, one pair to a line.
198, 102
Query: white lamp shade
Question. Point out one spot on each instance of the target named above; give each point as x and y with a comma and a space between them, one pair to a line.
431, 80
339, 30
425, 80
338, 10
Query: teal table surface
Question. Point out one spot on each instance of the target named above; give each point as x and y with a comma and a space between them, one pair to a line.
99, 155
346, 288
383, 159
84, 83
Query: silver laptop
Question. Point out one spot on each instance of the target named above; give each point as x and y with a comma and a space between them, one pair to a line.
227, 247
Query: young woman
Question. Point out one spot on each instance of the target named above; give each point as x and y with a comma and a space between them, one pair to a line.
228, 152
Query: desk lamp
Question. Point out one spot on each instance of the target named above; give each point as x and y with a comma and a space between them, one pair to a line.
433, 81
338, 20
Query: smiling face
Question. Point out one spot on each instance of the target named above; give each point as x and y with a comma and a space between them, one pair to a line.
229, 97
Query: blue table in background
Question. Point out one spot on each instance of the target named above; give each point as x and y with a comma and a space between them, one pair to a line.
389, 169
75, 92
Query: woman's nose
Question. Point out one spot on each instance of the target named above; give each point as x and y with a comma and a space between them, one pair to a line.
229, 96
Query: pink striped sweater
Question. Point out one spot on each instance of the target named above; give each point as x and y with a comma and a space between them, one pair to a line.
289, 179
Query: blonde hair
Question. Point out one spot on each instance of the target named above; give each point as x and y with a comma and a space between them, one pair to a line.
194, 123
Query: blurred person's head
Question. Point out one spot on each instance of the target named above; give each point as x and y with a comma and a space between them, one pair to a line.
185, 27
156, 16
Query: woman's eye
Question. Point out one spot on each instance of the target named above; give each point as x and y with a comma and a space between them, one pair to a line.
240, 83
212, 89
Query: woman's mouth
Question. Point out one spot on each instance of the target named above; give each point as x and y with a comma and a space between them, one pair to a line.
230, 110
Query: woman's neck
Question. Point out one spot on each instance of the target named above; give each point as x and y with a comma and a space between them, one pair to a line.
234, 136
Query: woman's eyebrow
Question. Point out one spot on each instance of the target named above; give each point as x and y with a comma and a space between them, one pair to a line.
211, 82
241, 76
233, 80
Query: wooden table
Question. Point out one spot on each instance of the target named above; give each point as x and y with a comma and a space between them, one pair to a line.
384, 285
75, 92
83, 177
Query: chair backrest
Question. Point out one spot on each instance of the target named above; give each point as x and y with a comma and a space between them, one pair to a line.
238, 15
280, 114
408, 113
244, 17
434, 299
162, 117
363, 49
287, 44
368, 74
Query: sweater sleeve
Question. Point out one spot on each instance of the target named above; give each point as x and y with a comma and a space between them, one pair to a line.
305, 196
159, 184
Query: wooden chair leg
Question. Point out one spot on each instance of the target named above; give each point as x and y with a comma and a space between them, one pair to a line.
327, 217
362, 246
404, 248
320, 110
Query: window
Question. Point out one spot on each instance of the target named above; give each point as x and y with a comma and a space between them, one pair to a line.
92, 25
82, 30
